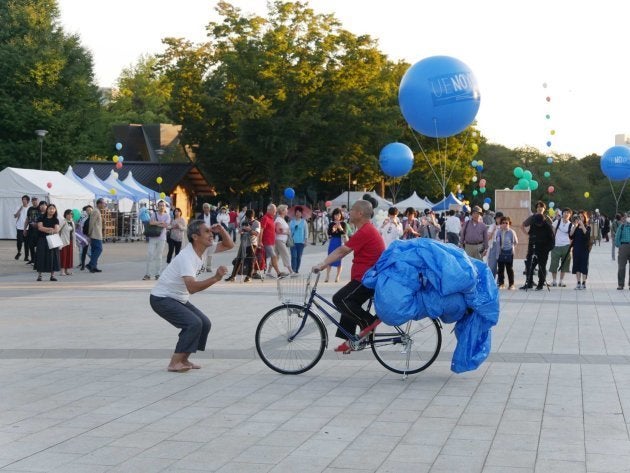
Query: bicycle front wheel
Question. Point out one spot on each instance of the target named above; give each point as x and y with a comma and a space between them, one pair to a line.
408, 348
290, 339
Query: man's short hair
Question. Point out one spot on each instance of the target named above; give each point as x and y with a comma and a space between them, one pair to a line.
540, 203
392, 211
205, 205
567, 210
100, 201
26, 197
365, 208
34, 198
194, 228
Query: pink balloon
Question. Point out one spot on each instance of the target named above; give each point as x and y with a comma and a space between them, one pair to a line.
482, 183
550, 189
328, 203
119, 165
49, 185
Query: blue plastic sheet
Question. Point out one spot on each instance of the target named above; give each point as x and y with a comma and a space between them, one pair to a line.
425, 278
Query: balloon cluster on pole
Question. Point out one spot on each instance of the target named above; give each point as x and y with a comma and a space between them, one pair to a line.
525, 179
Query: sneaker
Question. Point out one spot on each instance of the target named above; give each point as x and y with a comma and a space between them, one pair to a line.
230, 279
18, 256
539, 288
511, 288
620, 288
294, 275
282, 274
247, 279
146, 277
157, 276
554, 284
344, 348
562, 284
526, 286
256, 276
501, 286
578, 287
583, 285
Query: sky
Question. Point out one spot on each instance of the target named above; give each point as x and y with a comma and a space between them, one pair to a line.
521, 53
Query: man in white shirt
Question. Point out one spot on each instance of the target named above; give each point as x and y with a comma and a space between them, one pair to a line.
561, 253
20, 223
452, 226
170, 296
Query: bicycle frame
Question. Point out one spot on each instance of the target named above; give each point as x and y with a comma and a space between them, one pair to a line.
314, 300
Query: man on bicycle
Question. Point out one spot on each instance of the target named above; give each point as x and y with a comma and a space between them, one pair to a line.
367, 244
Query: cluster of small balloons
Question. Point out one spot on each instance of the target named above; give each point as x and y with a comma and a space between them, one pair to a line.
118, 160
477, 164
525, 179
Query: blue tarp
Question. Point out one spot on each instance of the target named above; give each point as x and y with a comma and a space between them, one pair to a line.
427, 278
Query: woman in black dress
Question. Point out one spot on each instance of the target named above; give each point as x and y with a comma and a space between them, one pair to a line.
47, 258
580, 233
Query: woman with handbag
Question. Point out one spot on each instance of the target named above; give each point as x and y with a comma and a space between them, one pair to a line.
155, 250
47, 249
67, 232
505, 240
175, 235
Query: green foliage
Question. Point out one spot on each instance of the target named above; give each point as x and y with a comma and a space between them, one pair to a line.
46, 82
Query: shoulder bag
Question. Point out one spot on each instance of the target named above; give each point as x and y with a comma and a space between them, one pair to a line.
152, 231
54, 241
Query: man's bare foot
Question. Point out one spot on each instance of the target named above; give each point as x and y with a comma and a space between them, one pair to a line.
178, 368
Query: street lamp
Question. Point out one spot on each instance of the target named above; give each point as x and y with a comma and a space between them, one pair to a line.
40, 136
351, 182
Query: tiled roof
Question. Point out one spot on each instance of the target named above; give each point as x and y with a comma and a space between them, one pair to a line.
173, 174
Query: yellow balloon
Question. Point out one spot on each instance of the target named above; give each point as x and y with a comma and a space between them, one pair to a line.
480, 162
552, 132
162, 195
115, 158
552, 212
474, 147
159, 180
112, 191
587, 195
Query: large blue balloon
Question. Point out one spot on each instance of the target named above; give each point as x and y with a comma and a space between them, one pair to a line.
439, 96
615, 163
396, 159
289, 193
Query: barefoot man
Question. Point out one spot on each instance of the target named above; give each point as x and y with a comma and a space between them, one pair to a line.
170, 296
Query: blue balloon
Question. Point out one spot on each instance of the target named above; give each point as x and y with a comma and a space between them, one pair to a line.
479, 168
439, 96
118, 146
289, 193
487, 200
552, 204
549, 160
615, 163
396, 159
474, 163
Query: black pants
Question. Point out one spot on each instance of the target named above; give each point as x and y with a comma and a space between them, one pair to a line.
349, 300
31, 242
173, 246
537, 259
21, 241
244, 262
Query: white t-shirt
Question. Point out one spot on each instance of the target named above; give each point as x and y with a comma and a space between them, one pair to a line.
453, 224
21, 220
285, 229
562, 234
171, 283
390, 231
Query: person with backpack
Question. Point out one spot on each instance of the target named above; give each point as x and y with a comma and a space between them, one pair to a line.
561, 252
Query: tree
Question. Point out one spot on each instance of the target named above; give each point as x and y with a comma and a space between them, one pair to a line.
46, 82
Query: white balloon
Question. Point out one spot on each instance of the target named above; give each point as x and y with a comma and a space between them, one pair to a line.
474, 178
486, 206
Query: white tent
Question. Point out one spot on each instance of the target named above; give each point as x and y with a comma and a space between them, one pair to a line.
124, 198
356, 195
51, 186
414, 201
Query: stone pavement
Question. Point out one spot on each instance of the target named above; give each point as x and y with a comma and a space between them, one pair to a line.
83, 386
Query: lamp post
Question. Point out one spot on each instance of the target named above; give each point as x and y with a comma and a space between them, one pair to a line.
351, 182
40, 137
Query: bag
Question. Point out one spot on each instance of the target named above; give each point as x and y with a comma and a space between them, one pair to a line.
86, 226
290, 242
152, 231
54, 241
505, 256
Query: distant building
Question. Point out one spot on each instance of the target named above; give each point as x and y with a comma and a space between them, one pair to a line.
622, 139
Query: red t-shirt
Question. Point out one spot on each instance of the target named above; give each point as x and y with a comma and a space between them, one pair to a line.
233, 216
367, 245
268, 226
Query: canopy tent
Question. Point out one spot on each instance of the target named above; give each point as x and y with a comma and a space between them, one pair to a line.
124, 198
426, 199
413, 201
446, 203
342, 199
113, 181
144, 191
51, 186
97, 191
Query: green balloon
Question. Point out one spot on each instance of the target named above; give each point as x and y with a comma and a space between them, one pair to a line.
528, 175
533, 185
482, 190
547, 174
76, 215
475, 192
518, 172
523, 183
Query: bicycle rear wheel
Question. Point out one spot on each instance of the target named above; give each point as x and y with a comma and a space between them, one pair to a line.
286, 345
408, 348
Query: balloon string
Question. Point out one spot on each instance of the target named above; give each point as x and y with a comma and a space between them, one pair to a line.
441, 159
617, 198
458, 157
424, 154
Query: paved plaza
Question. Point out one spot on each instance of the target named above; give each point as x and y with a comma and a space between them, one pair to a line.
83, 385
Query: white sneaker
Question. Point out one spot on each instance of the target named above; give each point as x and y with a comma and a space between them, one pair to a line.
578, 287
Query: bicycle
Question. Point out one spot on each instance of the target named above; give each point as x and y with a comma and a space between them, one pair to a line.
291, 338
